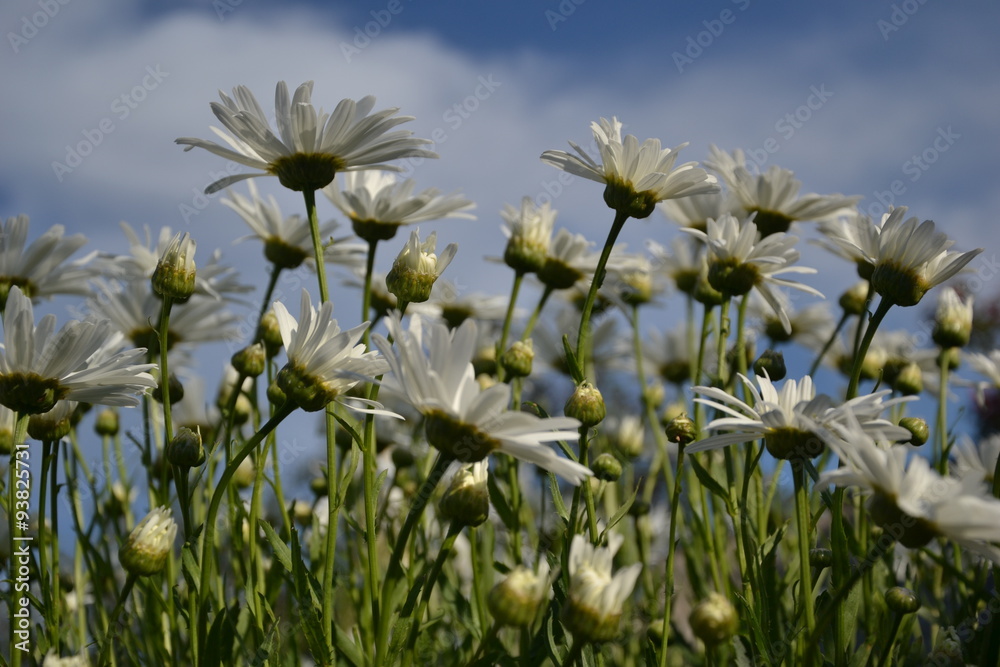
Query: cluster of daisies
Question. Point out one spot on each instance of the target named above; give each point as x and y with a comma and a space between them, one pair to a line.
472, 377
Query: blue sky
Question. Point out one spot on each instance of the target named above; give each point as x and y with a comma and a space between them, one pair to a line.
845, 94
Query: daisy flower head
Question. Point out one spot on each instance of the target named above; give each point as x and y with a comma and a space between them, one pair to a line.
529, 233
417, 268
323, 361
980, 460
39, 269
636, 176
740, 260
40, 366
682, 263
696, 210
953, 319
568, 260
311, 146
433, 366
515, 600
595, 598
287, 239
912, 258
774, 195
909, 499
455, 309
852, 236
378, 205
810, 326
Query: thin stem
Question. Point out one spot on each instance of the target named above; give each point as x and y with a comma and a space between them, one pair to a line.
168, 425
574, 654
668, 591
533, 319
884, 660
508, 318
941, 447
859, 358
109, 637
453, 530
803, 520
317, 242
721, 338
595, 284
829, 343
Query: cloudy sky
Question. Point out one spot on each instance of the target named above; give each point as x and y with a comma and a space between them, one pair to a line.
856, 97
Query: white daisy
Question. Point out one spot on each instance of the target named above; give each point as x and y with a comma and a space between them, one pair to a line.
461, 418
211, 279
810, 326
740, 260
39, 269
791, 421
134, 310
417, 267
637, 176
455, 309
323, 361
912, 258
979, 461
987, 365
910, 500
666, 354
568, 260
288, 240
529, 234
377, 204
773, 195
696, 210
40, 366
853, 236
595, 597
953, 319
311, 146
682, 263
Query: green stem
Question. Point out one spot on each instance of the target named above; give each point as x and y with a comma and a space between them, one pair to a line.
829, 343
721, 338
168, 425
859, 358
941, 448
803, 521
668, 591
897, 620
508, 318
317, 243
533, 319
453, 530
109, 637
595, 284
574, 653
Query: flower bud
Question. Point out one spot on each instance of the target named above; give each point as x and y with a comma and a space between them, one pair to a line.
681, 429
953, 320
251, 360
515, 600
402, 457
586, 405
630, 437
773, 362
174, 275
185, 449
732, 277
910, 380
704, 293
319, 486
918, 429
951, 358
467, 500
624, 199
276, 397
820, 558
853, 300
714, 620
269, 333
174, 387
148, 545
516, 361
417, 268
245, 473
530, 235
54, 424
106, 423
282, 254
606, 468
902, 600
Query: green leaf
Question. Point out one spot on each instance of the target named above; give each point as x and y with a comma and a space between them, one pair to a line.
263, 653
281, 550
619, 513
557, 498
575, 371
499, 501
190, 569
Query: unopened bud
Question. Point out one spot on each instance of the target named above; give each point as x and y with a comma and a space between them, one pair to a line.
606, 468
910, 380
853, 300
106, 423
269, 333
714, 620
773, 363
517, 360
174, 387
515, 600
901, 600
919, 431
185, 449
586, 405
953, 320
681, 429
174, 275
251, 360
467, 500
145, 551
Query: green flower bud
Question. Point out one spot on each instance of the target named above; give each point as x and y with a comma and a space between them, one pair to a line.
791, 443
516, 361
52, 425
586, 405
417, 268
853, 300
704, 293
681, 429
902, 600
918, 429
910, 380
606, 468
770, 222
145, 551
276, 397
732, 277
467, 500
402, 457
174, 387
898, 284
623, 198
174, 275
714, 620
515, 600
820, 558
185, 449
106, 423
911, 532
269, 333
282, 254
558, 275
306, 171
772, 362
251, 360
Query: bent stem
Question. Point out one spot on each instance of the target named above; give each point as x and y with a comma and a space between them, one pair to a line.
862, 351
595, 284
803, 519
